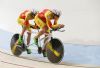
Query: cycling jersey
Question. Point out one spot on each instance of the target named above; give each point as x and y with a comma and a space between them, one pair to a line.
23, 16
42, 17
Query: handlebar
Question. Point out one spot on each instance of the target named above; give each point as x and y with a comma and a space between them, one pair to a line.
60, 30
57, 30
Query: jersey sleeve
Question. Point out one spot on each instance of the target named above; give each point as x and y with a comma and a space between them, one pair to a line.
48, 19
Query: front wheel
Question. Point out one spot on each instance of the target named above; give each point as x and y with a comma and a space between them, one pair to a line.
14, 47
55, 50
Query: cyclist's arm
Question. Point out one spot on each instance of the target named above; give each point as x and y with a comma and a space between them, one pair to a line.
31, 25
55, 25
48, 19
56, 20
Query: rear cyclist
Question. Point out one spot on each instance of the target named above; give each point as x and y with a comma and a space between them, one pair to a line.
23, 20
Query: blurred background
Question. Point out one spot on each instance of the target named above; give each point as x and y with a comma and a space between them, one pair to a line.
81, 18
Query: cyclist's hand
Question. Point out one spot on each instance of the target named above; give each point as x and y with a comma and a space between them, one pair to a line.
61, 26
54, 29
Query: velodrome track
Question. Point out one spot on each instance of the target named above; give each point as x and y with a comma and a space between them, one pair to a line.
9, 61
76, 56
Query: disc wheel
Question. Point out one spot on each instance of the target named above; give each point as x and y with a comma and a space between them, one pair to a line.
55, 50
15, 49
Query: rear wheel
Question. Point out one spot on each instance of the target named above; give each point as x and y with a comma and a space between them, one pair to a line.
55, 50
16, 49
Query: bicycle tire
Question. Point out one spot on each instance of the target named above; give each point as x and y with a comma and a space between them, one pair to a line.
58, 46
17, 51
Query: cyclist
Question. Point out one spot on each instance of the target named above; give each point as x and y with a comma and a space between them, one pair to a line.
23, 20
43, 21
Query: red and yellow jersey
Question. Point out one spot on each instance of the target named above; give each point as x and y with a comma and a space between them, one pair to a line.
46, 15
41, 15
22, 20
23, 16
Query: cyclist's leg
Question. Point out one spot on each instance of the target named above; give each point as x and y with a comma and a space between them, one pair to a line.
28, 42
23, 30
29, 35
43, 30
44, 47
42, 26
21, 22
28, 39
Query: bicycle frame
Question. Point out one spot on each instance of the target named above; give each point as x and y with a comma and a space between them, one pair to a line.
40, 39
53, 46
48, 38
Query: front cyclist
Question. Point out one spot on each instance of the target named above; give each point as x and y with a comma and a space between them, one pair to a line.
43, 21
23, 20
